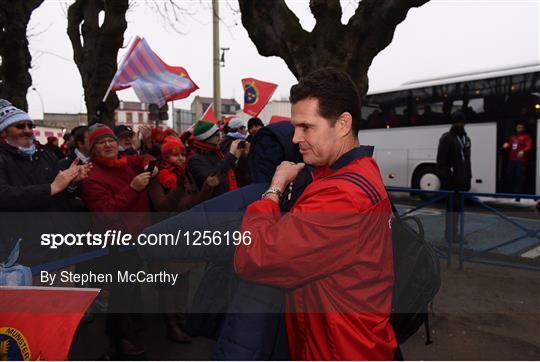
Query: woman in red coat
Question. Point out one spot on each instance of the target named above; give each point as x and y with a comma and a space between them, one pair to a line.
117, 187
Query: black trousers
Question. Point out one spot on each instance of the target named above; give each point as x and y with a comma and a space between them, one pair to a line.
516, 175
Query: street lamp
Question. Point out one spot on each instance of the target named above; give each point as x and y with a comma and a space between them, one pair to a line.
42, 104
222, 59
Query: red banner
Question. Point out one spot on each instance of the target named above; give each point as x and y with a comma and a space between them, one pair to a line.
39, 323
209, 114
276, 119
256, 95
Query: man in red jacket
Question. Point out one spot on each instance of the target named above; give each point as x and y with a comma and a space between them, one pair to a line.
518, 146
333, 250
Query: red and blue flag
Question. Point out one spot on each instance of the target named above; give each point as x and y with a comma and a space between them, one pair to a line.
151, 78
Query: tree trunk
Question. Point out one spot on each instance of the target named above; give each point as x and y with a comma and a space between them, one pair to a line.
95, 50
16, 60
276, 31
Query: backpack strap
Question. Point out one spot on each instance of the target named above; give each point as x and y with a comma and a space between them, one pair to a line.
428, 334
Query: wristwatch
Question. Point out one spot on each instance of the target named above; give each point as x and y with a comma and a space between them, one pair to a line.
272, 190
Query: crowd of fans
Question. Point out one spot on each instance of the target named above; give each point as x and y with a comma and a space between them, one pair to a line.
119, 171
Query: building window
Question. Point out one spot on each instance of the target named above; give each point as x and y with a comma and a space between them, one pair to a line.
129, 117
140, 118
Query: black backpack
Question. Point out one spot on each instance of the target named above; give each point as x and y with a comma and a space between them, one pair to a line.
417, 277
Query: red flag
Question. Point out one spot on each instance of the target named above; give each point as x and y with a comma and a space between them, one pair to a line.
153, 80
226, 119
209, 114
39, 323
276, 119
256, 95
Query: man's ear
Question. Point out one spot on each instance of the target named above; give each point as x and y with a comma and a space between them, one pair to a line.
344, 124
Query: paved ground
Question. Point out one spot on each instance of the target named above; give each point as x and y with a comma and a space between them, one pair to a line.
481, 313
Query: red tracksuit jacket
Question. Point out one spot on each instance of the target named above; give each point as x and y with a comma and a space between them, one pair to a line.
333, 252
519, 143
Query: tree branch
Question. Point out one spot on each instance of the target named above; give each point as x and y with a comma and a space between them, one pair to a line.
275, 30
75, 19
326, 12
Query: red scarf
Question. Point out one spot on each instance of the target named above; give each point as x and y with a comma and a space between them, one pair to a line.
206, 148
119, 162
168, 174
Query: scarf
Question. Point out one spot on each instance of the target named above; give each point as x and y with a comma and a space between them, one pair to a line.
168, 174
29, 151
206, 148
84, 159
120, 162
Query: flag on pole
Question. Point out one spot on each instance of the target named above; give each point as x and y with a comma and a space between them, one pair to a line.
39, 323
256, 95
276, 119
209, 114
151, 78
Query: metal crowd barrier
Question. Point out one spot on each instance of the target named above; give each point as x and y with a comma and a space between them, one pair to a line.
441, 195
472, 196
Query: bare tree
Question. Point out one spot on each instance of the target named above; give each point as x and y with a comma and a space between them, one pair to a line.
16, 60
276, 31
95, 49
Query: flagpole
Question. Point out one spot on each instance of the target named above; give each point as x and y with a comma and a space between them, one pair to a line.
217, 82
132, 43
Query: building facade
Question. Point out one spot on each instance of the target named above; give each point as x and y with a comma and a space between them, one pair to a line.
131, 114
199, 105
66, 121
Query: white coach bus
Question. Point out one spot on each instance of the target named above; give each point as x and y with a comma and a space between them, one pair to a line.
405, 125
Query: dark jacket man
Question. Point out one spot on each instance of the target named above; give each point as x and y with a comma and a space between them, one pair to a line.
209, 160
30, 181
454, 156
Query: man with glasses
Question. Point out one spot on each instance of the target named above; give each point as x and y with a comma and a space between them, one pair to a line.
30, 178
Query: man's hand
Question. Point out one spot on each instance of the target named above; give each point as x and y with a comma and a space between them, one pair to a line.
505, 145
285, 173
146, 135
145, 131
63, 179
521, 154
237, 152
212, 180
245, 151
140, 181
82, 170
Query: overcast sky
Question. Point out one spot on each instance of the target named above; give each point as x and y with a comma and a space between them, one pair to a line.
440, 38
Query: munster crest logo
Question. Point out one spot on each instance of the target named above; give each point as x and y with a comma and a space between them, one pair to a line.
13, 345
251, 93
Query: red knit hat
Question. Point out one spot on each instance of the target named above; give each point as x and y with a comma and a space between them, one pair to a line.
157, 135
170, 132
172, 146
99, 131
51, 139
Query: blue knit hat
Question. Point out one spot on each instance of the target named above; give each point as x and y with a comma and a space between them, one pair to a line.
9, 115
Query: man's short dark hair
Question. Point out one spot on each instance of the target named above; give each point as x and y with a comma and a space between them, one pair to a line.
335, 91
254, 121
458, 117
78, 135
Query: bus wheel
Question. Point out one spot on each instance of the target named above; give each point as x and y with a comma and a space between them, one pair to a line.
426, 178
